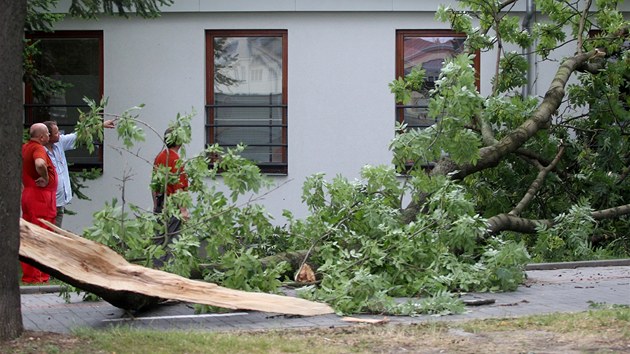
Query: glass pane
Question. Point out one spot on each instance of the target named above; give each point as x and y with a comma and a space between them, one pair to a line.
247, 109
251, 126
79, 155
417, 116
249, 136
428, 53
248, 95
246, 67
264, 154
76, 62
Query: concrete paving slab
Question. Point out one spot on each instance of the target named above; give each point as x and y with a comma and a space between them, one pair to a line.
546, 291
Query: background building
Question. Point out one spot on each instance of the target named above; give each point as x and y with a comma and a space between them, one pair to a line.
304, 82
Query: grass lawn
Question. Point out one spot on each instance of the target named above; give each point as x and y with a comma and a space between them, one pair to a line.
601, 330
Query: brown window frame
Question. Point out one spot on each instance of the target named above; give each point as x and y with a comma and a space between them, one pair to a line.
211, 106
29, 117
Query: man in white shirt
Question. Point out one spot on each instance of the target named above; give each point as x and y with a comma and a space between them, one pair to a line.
56, 148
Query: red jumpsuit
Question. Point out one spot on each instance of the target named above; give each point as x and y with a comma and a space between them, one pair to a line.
170, 158
37, 202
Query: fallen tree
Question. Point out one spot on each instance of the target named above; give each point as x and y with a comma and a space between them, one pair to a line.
515, 178
95, 268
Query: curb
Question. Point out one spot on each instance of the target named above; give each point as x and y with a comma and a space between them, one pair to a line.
579, 264
46, 289
40, 289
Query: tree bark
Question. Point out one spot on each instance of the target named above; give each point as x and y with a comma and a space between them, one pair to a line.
536, 184
96, 268
11, 34
508, 222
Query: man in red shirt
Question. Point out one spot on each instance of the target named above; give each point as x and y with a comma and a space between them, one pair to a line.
175, 180
39, 190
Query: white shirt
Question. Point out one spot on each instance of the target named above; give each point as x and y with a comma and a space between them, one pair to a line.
58, 157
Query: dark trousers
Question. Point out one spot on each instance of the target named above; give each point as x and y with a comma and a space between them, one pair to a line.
59, 218
171, 233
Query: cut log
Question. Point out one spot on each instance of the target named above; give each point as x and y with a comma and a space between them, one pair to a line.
96, 268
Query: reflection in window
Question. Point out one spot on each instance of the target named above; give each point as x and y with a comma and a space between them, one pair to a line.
74, 59
247, 96
426, 50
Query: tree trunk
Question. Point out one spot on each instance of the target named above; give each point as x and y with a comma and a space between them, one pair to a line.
94, 267
11, 34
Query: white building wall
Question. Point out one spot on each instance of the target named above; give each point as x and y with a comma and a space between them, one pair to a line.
341, 113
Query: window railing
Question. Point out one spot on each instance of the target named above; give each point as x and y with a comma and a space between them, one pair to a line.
265, 138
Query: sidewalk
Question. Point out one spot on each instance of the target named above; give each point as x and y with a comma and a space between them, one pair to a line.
547, 290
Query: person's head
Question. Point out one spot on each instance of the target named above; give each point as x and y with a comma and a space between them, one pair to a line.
39, 133
53, 129
170, 141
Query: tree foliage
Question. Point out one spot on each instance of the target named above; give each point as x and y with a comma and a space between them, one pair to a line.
142, 8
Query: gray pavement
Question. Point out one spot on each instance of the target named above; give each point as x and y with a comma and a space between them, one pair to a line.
547, 290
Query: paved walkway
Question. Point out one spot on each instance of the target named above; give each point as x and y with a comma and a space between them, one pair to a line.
547, 290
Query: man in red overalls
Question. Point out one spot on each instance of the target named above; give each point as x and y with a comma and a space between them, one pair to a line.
39, 190
176, 180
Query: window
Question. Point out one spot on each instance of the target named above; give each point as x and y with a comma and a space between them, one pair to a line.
246, 94
424, 49
76, 59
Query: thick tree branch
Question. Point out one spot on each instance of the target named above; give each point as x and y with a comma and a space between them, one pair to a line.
611, 212
583, 19
540, 119
533, 162
507, 222
490, 156
594, 66
531, 155
487, 134
536, 184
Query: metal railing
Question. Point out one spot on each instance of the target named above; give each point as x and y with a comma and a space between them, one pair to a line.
268, 163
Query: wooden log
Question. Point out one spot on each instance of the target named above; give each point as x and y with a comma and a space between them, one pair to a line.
96, 268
